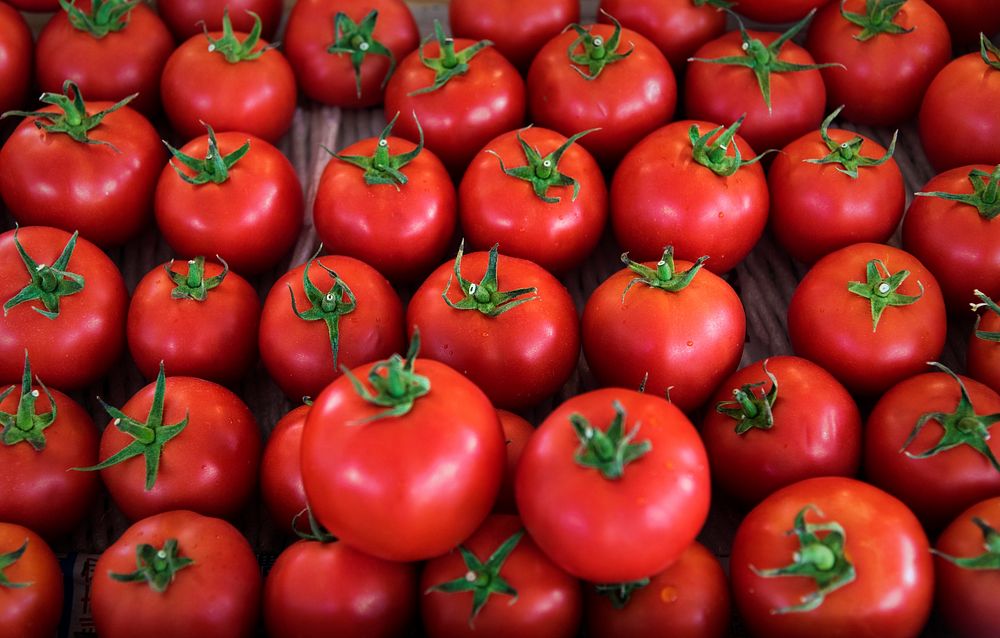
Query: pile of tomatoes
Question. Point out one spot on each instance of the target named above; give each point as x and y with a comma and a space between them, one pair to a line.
434, 317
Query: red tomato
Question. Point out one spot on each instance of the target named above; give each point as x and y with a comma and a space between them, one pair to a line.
196, 576
628, 94
887, 325
350, 310
86, 333
630, 498
31, 584
518, 28
16, 49
248, 213
983, 355
966, 19
690, 599
677, 27
540, 199
779, 421
499, 584
281, 471
887, 593
681, 324
184, 18
775, 11
692, 186
517, 432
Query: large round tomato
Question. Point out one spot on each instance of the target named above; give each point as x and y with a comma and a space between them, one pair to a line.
983, 354
281, 472
177, 574
184, 18
518, 28
516, 432
966, 19
614, 485
677, 27
775, 11
31, 596
16, 49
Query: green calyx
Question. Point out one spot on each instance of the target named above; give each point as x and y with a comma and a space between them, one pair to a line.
715, 155
106, 16
449, 63
751, 407
877, 18
985, 195
848, 154
990, 559
991, 305
149, 437
8, 559
764, 60
328, 306
987, 48
881, 291
543, 172
74, 119
49, 284
193, 285
156, 567
609, 451
214, 168
24, 424
397, 386
486, 296
620, 594
316, 531
357, 41
383, 167
230, 47
664, 276
597, 52
482, 579
821, 559
961, 427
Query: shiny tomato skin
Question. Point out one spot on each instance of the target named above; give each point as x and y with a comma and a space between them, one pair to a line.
867, 362
281, 472
78, 347
184, 17
628, 100
816, 209
32, 611
251, 220
660, 195
401, 232
329, 589
893, 588
16, 51
518, 28
297, 353
610, 531
816, 431
689, 599
775, 11
549, 602
519, 357
218, 595
677, 27
517, 432
982, 356
966, 19
378, 486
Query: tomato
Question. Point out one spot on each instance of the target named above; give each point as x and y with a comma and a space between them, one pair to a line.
775, 11
602, 76
966, 19
244, 203
832, 557
499, 583
889, 54
779, 421
16, 50
960, 114
281, 472
827, 194
505, 323
517, 432
677, 27
518, 28
690, 185
97, 178
537, 194
31, 584
110, 48
177, 574
983, 354
615, 464
348, 316
184, 18
968, 579
675, 321
689, 599
350, 75
952, 227
889, 319
391, 205
64, 301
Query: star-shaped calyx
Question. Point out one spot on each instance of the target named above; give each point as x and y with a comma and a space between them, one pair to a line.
881, 290
356, 39
25, 424
49, 284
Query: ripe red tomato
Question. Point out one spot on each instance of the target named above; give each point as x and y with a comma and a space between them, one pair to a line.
983, 355
177, 574
281, 471
889, 320
31, 584
863, 565
350, 315
779, 421
678, 28
602, 76
244, 205
516, 432
355, 73
676, 321
184, 18
775, 11
16, 49
518, 28
690, 185
966, 19
607, 500
64, 301
499, 583
110, 54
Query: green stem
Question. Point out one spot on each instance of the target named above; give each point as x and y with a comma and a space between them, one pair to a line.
48, 284
215, 166
608, 451
24, 424
665, 276
486, 296
848, 154
395, 383
543, 172
449, 64
597, 53
73, 120
156, 567
382, 167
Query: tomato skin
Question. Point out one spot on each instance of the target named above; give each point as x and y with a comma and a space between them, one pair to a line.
33, 611
584, 536
966, 19
16, 51
518, 28
281, 471
867, 362
775, 11
983, 357
517, 432
297, 353
689, 599
549, 602
660, 195
677, 27
184, 17
78, 347
219, 595
401, 233
816, 209
323, 589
